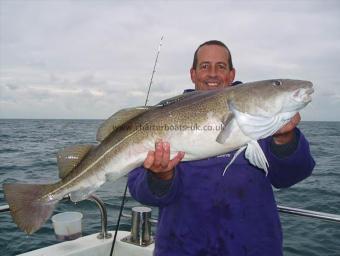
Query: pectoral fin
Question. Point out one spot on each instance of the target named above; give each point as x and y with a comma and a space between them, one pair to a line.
230, 125
256, 156
239, 151
257, 126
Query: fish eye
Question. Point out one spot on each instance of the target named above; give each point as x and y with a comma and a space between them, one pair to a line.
277, 82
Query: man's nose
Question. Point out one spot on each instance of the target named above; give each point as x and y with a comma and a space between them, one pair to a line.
212, 71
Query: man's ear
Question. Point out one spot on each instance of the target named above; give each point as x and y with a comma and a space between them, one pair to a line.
193, 75
232, 75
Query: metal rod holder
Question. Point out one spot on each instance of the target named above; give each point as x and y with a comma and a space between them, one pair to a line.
152, 220
140, 227
104, 234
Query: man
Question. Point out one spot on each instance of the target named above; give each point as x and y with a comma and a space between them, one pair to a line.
202, 212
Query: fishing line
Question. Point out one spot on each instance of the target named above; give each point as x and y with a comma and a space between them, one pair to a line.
118, 221
126, 185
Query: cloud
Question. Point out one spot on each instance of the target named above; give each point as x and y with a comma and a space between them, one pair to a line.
88, 59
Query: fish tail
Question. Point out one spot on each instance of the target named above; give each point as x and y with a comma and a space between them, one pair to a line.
29, 209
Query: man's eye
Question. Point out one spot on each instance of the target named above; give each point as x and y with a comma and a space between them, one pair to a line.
221, 66
204, 66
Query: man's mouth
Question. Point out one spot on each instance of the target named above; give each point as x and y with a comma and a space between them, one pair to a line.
212, 84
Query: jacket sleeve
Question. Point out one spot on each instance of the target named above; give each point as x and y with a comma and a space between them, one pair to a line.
146, 190
285, 171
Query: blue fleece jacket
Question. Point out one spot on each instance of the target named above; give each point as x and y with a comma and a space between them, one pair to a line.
205, 213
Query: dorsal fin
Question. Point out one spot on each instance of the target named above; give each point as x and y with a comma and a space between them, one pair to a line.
175, 98
69, 157
117, 119
122, 116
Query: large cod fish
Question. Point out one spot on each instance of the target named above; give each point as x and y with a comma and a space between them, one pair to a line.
201, 123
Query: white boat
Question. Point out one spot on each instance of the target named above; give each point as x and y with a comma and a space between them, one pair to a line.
91, 245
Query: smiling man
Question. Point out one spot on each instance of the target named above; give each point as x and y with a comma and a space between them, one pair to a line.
212, 67
202, 212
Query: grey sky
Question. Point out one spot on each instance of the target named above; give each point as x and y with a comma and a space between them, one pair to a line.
87, 59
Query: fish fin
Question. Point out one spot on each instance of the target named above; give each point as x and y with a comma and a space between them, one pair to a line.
233, 159
175, 99
258, 127
69, 157
229, 125
256, 156
29, 211
82, 194
118, 119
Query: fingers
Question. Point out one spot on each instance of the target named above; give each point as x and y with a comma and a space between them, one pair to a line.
158, 153
166, 155
291, 125
150, 158
158, 161
286, 133
175, 161
296, 119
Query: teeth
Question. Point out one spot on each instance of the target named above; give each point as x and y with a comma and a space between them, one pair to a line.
212, 84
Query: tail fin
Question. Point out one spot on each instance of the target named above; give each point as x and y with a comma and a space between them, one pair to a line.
28, 209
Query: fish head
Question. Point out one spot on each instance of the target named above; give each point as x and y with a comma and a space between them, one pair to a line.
270, 97
299, 94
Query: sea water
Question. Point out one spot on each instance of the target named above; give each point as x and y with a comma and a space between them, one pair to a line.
28, 154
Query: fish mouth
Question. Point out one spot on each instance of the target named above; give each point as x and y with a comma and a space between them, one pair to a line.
303, 95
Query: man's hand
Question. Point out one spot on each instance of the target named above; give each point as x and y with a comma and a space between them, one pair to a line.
286, 133
159, 162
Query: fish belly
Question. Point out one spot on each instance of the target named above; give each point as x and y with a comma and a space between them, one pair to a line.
198, 142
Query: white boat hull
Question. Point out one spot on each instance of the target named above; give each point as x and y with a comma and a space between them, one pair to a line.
91, 245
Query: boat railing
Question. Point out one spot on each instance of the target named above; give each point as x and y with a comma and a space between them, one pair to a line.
285, 209
308, 213
282, 209
104, 234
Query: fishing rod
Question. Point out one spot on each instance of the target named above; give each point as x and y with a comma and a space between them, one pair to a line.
126, 185
153, 71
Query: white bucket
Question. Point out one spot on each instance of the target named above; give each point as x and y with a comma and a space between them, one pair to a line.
67, 225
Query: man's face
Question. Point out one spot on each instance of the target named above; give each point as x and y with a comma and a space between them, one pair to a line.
212, 70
